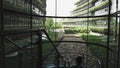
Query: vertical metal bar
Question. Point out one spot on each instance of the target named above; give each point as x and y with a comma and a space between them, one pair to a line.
57, 55
108, 35
65, 64
115, 57
31, 33
2, 58
39, 51
116, 24
20, 59
118, 53
87, 33
55, 19
83, 60
68, 64
116, 32
58, 61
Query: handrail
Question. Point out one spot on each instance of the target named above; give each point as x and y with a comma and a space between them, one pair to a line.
14, 32
17, 49
12, 11
39, 58
17, 45
101, 45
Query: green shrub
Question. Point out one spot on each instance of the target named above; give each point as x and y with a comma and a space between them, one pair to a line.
102, 30
68, 31
77, 30
106, 31
98, 30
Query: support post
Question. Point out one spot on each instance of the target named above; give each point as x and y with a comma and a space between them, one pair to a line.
108, 35
39, 51
58, 60
2, 59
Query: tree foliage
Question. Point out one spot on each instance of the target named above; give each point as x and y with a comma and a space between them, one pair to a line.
58, 25
49, 24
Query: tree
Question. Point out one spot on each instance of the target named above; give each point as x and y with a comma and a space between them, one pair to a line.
49, 24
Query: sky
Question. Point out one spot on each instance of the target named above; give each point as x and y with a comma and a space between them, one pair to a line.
63, 7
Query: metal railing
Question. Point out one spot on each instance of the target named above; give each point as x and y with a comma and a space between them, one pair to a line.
39, 43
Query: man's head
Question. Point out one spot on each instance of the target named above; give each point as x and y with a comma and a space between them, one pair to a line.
79, 60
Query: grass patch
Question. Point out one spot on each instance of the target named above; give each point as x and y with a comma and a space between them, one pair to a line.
97, 51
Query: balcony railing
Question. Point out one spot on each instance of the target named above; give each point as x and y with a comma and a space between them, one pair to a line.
85, 4
95, 8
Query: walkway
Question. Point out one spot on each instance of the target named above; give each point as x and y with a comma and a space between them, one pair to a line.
72, 50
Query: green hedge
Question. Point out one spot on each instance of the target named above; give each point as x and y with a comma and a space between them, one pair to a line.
98, 30
102, 31
76, 30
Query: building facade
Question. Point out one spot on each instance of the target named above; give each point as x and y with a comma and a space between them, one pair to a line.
20, 15
91, 8
99, 13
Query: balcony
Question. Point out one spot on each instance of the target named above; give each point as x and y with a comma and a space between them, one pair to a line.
95, 8
85, 4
